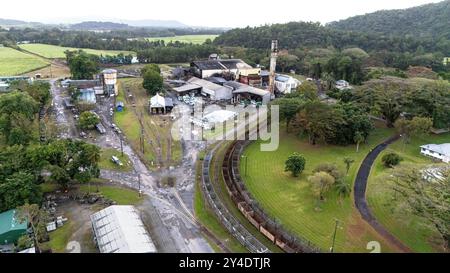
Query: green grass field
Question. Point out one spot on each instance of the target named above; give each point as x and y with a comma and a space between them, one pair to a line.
194, 39
107, 164
14, 62
291, 200
57, 52
389, 208
121, 196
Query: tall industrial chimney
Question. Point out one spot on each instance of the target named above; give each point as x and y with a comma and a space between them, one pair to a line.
273, 66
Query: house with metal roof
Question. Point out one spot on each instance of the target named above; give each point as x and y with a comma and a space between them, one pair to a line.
439, 152
286, 84
119, 229
160, 105
10, 227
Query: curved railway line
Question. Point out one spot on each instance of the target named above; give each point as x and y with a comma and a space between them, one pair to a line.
251, 211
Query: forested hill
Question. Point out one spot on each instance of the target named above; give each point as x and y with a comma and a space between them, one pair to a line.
427, 20
307, 35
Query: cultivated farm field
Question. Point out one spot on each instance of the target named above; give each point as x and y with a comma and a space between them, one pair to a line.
194, 39
14, 62
57, 52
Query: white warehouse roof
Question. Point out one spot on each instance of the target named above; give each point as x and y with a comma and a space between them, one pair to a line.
119, 229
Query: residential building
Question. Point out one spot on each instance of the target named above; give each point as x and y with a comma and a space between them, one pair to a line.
439, 152
286, 84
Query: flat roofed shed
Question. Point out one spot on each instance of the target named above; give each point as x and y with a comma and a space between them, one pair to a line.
119, 229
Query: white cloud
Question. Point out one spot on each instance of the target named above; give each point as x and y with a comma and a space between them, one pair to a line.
198, 12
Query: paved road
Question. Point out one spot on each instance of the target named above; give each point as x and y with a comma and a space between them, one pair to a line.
360, 195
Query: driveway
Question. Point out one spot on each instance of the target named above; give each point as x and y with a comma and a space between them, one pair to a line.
360, 195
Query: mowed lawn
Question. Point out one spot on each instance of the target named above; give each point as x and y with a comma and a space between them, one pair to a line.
14, 62
291, 201
194, 39
57, 52
389, 208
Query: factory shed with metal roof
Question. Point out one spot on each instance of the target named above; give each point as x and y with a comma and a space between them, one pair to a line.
10, 227
119, 229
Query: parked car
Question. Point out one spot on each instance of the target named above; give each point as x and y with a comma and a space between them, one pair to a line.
116, 160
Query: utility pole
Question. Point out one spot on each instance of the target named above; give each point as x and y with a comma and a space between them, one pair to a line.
121, 145
334, 236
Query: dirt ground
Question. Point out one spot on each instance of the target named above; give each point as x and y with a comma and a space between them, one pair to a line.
81, 234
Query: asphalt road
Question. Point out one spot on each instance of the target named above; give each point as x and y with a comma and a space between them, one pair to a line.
360, 194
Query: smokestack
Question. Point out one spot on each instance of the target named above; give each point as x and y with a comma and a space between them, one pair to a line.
273, 66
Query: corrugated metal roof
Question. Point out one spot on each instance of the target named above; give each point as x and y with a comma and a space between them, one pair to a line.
441, 148
8, 222
187, 87
205, 84
119, 229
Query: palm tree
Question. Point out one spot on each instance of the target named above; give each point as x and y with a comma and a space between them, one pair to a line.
343, 188
348, 162
358, 138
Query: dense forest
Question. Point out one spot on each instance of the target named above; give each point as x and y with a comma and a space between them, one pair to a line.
432, 20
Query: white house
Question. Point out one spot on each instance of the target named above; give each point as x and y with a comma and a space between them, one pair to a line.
439, 152
286, 84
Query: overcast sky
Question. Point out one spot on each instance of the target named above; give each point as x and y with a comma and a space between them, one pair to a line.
212, 13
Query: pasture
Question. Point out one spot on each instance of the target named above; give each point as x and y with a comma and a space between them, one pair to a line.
194, 39
389, 208
57, 52
291, 201
14, 62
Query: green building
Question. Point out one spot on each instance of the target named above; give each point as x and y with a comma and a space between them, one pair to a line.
10, 228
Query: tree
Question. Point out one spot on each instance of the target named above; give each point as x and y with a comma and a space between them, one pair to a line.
414, 127
153, 82
68, 160
148, 67
391, 159
82, 65
286, 61
289, 108
88, 120
386, 97
18, 189
427, 195
38, 90
295, 164
358, 138
321, 183
343, 188
348, 162
319, 121
17, 112
37, 219
331, 169
308, 90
